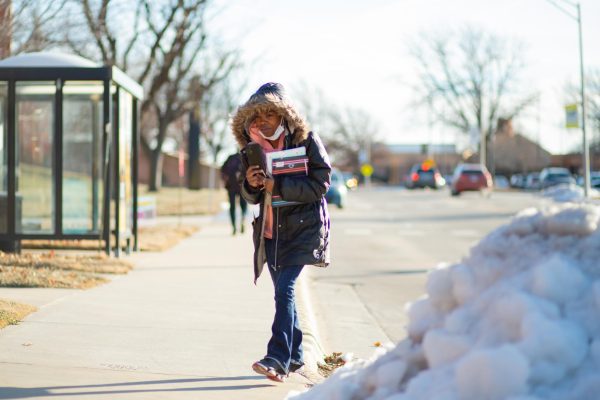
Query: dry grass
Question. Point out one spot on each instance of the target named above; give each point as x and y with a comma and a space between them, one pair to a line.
63, 244
47, 278
11, 312
152, 238
92, 263
332, 362
162, 237
58, 271
175, 201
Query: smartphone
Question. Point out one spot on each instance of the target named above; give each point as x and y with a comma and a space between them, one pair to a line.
256, 155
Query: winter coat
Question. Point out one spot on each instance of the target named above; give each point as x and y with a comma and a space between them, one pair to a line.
231, 172
301, 232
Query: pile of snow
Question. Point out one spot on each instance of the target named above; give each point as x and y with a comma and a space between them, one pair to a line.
567, 193
517, 319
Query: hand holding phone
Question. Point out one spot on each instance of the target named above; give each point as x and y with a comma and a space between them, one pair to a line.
255, 176
256, 155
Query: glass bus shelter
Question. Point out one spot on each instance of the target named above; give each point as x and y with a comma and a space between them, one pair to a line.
68, 151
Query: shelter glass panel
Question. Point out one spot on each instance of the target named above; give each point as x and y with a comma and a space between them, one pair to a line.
82, 157
3, 156
125, 158
35, 110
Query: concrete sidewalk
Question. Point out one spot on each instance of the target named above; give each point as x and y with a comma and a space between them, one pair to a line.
186, 323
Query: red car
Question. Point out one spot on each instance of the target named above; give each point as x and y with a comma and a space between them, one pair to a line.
470, 177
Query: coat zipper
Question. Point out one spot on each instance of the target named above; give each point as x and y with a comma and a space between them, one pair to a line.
286, 145
276, 237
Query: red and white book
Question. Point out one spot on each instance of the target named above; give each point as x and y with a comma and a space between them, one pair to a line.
292, 162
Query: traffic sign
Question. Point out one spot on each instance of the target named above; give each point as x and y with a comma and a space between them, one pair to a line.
572, 115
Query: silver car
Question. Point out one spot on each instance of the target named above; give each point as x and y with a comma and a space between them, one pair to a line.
555, 176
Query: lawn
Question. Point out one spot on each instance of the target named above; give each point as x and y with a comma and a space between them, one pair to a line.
11, 312
176, 201
79, 271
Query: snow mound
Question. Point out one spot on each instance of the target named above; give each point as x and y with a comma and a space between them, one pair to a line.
517, 319
567, 193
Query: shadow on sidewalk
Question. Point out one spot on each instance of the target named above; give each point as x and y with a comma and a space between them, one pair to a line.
21, 393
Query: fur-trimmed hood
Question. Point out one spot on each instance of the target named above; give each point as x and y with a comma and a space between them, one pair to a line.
270, 96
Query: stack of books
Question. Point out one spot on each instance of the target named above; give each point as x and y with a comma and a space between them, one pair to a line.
292, 162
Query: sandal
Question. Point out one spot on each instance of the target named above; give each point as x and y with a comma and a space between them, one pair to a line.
260, 367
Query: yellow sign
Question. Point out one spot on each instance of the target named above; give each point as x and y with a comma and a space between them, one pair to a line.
572, 116
366, 170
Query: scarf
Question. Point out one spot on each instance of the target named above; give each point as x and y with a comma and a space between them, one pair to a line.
267, 148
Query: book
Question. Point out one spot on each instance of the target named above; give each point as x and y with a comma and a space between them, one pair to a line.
292, 162
287, 161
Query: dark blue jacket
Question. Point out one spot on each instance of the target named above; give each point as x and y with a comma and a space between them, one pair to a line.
301, 232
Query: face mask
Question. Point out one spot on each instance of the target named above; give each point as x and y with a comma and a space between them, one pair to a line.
280, 129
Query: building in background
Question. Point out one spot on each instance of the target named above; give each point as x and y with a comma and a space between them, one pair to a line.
514, 153
391, 162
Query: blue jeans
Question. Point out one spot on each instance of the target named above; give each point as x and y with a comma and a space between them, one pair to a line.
285, 345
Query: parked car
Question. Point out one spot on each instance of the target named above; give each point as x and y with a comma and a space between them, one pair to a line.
470, 177
532, 182
594, 180
422, 176
555, 176
337, 190
501, 182
518, 181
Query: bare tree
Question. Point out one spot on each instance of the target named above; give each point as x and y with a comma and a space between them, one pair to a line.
163, 52
592, 90
216, 105
354, 132
346, 131
467, 80
29, 25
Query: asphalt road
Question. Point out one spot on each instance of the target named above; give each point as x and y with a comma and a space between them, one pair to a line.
386, 239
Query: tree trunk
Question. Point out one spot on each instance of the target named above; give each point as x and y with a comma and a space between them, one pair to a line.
156, 160
156, 157
194, 151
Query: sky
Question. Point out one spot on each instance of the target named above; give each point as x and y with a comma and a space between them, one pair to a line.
355, 52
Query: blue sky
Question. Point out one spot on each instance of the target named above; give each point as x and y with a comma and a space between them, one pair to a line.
355, 52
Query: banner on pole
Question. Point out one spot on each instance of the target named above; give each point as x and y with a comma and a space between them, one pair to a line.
572, 116
181, 159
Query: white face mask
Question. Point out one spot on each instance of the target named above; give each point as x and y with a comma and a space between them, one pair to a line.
280, 129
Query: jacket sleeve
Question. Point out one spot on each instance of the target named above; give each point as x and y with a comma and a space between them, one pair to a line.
312, 187
250, 194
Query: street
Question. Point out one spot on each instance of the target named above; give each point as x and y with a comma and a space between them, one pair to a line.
383, 244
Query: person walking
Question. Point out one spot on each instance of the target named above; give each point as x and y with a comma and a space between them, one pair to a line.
230, 174
289, 237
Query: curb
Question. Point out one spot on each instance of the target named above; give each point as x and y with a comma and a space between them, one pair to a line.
311, 341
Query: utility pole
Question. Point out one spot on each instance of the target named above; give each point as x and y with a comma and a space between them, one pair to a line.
586, 146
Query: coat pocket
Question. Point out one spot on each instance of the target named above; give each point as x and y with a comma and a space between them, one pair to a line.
296, 226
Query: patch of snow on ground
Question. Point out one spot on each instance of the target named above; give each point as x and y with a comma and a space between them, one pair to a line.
517, 319
567, 193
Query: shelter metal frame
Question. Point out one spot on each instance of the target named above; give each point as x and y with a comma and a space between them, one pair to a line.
110, 147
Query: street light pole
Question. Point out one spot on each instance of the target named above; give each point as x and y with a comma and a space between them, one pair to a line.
586, 145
